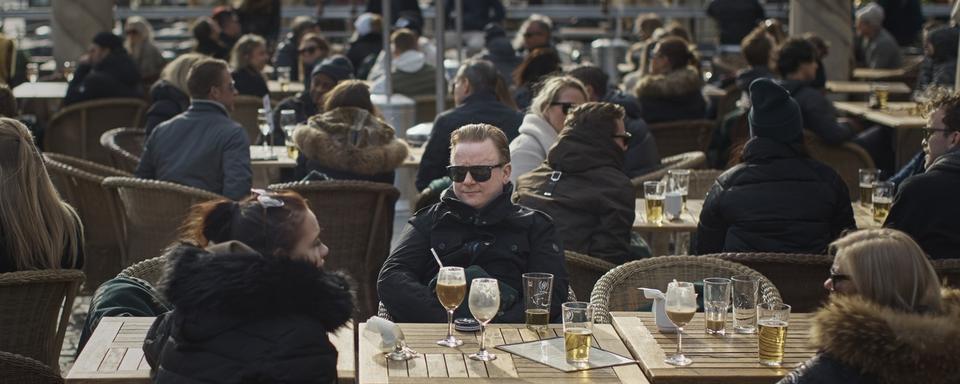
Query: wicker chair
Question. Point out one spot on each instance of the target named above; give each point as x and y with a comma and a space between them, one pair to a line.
846, 159
152, 211
948, 270
583, 271
79, 183
150, 270
32, 323
125, 146
798, 277
689, 160
24, 370
728, 102
245, 113
616, 290
76, 129
382, 309
357, 222
676, 137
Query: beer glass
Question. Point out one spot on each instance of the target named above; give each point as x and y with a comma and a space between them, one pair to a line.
882, 200
716, 301
537, 288
33, 72
681, 306
263, 123
653, 194
283, 76
678, 180
484, 304
881, 92
772, 330
867, 178
577, 331
68, 69
451, 287
745, 290
288, 122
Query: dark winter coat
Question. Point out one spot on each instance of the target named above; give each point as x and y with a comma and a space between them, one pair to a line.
581, 185
327, 145
642, 155
114, 76
247, 81
819, 114
939, 69
212, 48
168, 101
671, 97
303, 107
736, 18
862, 342
924, 208
242, 317
288, 55
480, 107
364, 49
746, 76
777, 200
261, 19
504, 239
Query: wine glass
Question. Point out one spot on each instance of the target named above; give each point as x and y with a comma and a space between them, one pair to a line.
263, 122
288, 122
484, 304
451, 287
681, 306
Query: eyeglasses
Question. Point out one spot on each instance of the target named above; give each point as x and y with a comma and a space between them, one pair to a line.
564, 107
307, 50
480, 173
625, 136
928, 131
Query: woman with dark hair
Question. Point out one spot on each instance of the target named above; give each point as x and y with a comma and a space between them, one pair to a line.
540, 63
350, 140
939, 66
291, 49
206, 37
673, 89
252, 301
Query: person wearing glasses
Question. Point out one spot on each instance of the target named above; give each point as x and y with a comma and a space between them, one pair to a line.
143, 50
921, 206
252, 302
672, 89
549, 108
535, 32
477, 227
290, 53
887, 320
324, 76
581, 185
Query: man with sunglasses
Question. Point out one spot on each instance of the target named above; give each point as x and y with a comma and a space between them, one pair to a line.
925, 205
474, 226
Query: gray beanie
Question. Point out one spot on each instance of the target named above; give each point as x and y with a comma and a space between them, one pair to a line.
774, 114
337, 67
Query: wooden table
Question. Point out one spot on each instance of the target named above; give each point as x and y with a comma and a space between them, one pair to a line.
863, 215
865, 86
437, 364
716, 359
687, 223
114, 355
898, 116
266, 172
41, 90
878, 74
278, 93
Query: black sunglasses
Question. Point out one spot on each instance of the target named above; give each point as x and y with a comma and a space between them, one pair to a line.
480, 173
565, 107
928, 131
308, 50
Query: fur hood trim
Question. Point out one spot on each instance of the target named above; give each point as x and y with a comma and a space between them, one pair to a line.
351, 139
233, 279
678, 83
895, 346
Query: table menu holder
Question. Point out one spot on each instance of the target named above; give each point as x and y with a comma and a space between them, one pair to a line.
551, 352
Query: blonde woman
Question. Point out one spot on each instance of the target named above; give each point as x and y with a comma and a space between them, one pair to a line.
170, 94
37, 229
248, 59
139, 43
887, 321
541, 126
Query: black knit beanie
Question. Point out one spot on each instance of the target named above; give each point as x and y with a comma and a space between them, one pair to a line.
774, 114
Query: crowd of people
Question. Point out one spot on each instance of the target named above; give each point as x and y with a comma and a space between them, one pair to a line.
535, 158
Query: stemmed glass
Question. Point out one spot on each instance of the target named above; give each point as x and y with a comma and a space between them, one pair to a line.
681, 306
484, 304
451, 287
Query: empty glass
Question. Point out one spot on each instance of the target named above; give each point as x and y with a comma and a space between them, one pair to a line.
537, 288
263, 123
681, 306
716, 301
484, 304
451, 287
745, 289
283, 76
577, 331
678, 180
868, 176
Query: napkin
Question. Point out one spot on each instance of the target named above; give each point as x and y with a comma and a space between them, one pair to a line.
384, 333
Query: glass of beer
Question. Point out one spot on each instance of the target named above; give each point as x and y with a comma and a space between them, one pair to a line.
774, 319
716, 301
745, 290
678, 180
68, 69
882, 93
653, 194
484, 304
537, 288
867, 178
681, 306
882, 200
283, 76
33, 72
288, 122
451, 287
577, 331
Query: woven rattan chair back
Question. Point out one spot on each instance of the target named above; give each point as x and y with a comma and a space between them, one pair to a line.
152, 212
357, 222
31, 321
125, 146
245, 113
76, 129
383, 313
948, 270
79, 183
583, 271
689, 160
676, 137
19, 369
798, 277
149, 270
846, 159
616, 290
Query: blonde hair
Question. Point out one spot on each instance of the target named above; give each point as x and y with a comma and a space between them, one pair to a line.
240, 55
39, 230
887, 267
478, 133
549, 90
142, 26
176, 73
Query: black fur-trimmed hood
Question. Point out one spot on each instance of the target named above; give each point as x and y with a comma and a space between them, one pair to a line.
232, 279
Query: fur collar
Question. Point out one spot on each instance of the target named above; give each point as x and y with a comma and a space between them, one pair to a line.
674, 84
326, 139
233, 279
894, 346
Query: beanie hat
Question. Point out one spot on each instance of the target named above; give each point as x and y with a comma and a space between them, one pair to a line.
871, 14
109, 41
364, 24
774, 114
337, 67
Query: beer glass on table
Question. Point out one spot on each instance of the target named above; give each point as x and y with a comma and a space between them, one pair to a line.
882, 200
681, 306
263, 123
283, 77
33, 72
451, 287
484, 304
881, 94
68, 70
716, 301
288, 122
537, 288
867, 178
772, 332
577, 331
745, 289
653, 195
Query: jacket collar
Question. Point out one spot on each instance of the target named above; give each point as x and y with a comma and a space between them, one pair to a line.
948, 162
479, 97
494, 212
207, 105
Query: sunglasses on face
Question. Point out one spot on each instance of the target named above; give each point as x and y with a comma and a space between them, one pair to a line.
308, 50
480, 173
565, 107
928, 131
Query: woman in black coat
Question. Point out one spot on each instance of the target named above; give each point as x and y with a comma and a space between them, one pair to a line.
248, 59
256, 311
